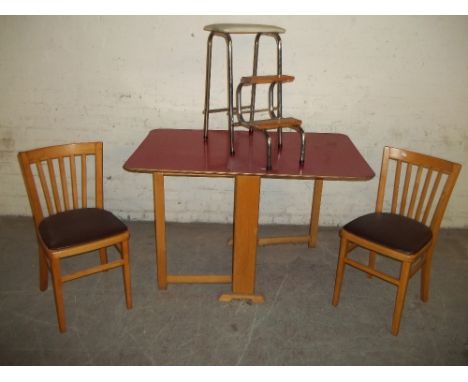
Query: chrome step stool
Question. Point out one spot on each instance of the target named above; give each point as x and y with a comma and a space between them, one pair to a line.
276, 121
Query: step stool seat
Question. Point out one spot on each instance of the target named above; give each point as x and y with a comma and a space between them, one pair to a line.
243, 28
276, 123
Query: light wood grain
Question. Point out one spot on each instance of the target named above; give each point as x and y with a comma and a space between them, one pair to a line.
275, 240
160, 229
199, 279
246, 207
315, 212
256, 80
276, 123
63, 181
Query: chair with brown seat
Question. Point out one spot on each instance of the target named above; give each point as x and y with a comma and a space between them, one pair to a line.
57, 183
409, 232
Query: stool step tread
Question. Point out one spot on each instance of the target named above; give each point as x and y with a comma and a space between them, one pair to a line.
254, 80
276, 123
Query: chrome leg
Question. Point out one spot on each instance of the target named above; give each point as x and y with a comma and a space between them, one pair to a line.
254, 73
303, 143
279, 94
279, 71
271, 106
206, 111
268, 143
230, 92
240, 117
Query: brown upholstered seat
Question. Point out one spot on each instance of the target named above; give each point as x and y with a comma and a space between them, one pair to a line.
80, 226
390, 230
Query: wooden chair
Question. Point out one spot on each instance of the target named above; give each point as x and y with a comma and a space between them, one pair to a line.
409, 232
71, 227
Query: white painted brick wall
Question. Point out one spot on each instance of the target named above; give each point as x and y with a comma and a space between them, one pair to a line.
400, 81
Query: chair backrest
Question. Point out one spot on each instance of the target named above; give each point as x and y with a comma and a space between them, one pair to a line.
57, 177
421, 187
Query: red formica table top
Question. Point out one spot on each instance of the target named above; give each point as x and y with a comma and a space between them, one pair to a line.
182, 151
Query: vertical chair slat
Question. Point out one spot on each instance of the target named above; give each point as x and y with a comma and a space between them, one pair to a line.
405, 189
73, 181
431, 198
99, 181
31, 188
63, 180
415, 191
382, 180
45, 188
84, 194
53, 182
396, 186
423, 194
443, 199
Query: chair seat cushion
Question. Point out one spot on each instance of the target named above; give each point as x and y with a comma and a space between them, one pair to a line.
79, 226
390, 230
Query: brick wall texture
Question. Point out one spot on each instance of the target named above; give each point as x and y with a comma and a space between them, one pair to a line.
385, 80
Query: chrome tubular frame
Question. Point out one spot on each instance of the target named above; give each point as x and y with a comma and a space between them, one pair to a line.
249, 124
206, 110
230, 86
230, 92
268, 142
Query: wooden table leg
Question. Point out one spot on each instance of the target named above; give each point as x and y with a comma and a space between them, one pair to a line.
246, 206
160, 229
315, 212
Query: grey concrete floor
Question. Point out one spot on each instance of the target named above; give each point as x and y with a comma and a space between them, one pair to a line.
186, 325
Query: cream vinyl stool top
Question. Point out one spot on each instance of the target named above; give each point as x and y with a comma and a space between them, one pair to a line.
243, 28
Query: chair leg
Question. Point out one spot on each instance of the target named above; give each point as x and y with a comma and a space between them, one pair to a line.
371, 263
340, 271
426, 275
43, 270
400, 298
103, 255
126, 275
58, 294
